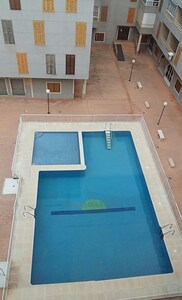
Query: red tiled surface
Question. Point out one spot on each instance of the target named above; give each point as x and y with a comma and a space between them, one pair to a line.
108, 92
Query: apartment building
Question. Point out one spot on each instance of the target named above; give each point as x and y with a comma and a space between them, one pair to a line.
166, 44
114, 20
44, 44
155, 25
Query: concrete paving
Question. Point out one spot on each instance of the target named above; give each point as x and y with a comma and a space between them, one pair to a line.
109, 91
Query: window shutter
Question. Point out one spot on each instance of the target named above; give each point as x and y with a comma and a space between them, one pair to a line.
158, 30
15, 4
39, 33
8, 31
22, 63
99, 36
50, 64
131, 15
81, 28
71, 6
48, 5
103, 13
177, 56
54, 87
70, 64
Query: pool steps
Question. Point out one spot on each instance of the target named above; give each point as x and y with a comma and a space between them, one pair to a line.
108, 135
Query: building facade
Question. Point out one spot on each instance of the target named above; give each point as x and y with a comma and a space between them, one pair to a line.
155, 25
167, 44
45, 44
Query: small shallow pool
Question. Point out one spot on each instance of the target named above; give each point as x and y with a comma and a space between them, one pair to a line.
56, 148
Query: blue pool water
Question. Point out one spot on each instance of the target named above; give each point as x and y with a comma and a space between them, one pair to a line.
56, 148
99, 223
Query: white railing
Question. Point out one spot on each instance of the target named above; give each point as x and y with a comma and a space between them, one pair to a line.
81, 118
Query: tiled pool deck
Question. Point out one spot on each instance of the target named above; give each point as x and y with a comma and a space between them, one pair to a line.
148, 287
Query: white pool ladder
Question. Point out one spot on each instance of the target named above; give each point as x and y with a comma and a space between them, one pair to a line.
169, 229
29, 210
108, 135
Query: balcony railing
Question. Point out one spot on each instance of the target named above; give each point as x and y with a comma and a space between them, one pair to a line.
151, 2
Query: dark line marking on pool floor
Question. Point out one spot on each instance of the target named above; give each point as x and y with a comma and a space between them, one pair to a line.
92, 211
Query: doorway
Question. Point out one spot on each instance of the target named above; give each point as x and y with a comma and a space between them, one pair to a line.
168, 74
123, 32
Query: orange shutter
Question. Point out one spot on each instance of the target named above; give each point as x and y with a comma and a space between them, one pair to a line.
81, 28
48, 5
131, 15
177, 56
158, 30
103, 13
22, 63
71, 6
39, 33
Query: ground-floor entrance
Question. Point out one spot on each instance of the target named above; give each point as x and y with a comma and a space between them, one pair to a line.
123, 32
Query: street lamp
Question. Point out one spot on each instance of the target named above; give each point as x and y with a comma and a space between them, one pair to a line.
164, 105
48, 93
132, 65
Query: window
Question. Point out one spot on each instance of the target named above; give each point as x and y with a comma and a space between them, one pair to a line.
70, 64
39, 33
131, 15
99, 37
81, 28
96, 13
48, 5
3, 90
171, 8
71, 6
22, 63
54, 87
103, 13
178, 86
8, 31
15, 4
50, 64
17, 86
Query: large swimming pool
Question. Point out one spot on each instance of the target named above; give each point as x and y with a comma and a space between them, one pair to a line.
99, 223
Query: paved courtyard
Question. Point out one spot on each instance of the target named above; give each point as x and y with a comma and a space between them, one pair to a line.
109, 91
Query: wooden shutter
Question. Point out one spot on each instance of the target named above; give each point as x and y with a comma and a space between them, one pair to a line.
158, 30
8, 31
177, 56
48, 5
81, 29
103, 13
70, 64
39, 33
54, 87
131, 15
99, 36
22, 63
15, 4
50, 63
71, 6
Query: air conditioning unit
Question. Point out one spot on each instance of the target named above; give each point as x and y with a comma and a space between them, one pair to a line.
170, 55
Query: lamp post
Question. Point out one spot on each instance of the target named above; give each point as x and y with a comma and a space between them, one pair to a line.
132, 65
48, 94
164, 105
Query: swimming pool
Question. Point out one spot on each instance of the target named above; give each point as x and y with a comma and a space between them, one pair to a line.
99, 223
56, 148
